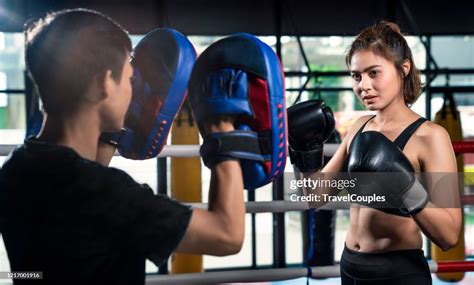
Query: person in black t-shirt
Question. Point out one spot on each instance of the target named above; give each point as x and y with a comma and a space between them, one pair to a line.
62, 210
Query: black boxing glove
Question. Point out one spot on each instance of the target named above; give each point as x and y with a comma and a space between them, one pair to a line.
310, 125
392, 175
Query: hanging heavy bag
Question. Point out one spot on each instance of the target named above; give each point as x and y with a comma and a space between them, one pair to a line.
449, 118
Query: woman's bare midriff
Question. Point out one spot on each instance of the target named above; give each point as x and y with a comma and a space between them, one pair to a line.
372, 230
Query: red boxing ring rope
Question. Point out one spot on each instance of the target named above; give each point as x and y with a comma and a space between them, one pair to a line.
467, 199
463, 147
455, 266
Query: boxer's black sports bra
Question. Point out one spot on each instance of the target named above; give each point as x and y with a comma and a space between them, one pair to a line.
402, 139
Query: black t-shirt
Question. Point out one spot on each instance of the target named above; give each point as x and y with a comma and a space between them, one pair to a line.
80, 222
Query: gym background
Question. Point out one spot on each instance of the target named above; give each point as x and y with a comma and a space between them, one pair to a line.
311, 38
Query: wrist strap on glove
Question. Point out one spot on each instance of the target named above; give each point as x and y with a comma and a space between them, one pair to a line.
415, 199
307, 161
219, 147
112, 138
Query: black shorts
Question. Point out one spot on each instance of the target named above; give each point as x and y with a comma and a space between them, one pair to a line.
403, 267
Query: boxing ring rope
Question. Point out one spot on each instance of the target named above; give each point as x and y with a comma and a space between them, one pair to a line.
329, 149
280, 274
193, 150
288, 206
179, 151
463, 147
5, 149
266, 207
173, 150
453, 266
467, 199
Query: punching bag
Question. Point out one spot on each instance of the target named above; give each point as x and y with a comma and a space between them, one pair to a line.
185, 182
449, 118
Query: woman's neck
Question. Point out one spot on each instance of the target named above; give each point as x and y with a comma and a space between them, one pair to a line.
394, 113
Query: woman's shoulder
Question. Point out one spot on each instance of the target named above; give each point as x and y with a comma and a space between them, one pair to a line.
432, 140
358, 123
355, 127
432, 132
362, 119
434, 148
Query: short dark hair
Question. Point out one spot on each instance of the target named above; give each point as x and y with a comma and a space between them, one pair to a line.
66, 50
385, 39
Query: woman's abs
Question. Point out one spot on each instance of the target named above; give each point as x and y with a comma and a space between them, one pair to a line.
372, 230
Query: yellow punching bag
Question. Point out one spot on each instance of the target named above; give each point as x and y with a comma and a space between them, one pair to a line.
185, 182
449, 118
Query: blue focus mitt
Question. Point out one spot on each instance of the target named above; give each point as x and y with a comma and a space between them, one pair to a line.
240, 76
162, 63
